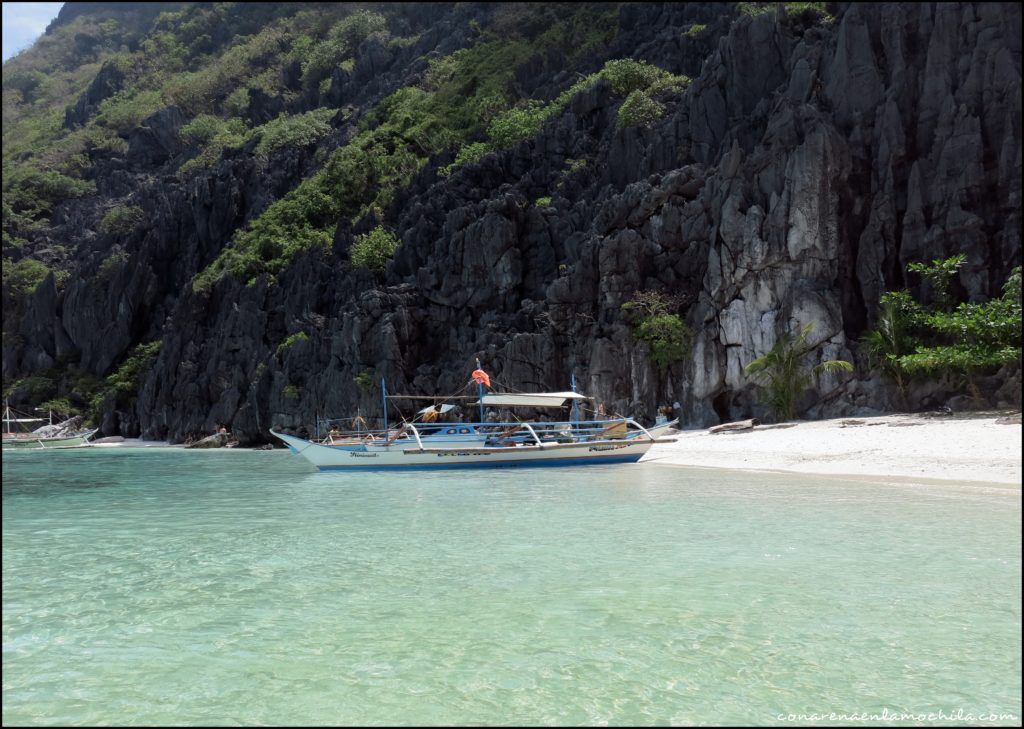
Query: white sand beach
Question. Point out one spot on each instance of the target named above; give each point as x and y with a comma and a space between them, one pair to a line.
961, 447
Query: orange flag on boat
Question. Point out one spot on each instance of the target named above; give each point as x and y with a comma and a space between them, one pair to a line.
481, 378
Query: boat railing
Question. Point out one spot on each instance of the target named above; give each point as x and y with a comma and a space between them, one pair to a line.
511, 433
385, 437
617, 429
642, 428
349, 437
518, 432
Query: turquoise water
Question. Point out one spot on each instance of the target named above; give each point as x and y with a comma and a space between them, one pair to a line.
173, 587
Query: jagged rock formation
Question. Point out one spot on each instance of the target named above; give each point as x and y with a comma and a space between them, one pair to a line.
792, 181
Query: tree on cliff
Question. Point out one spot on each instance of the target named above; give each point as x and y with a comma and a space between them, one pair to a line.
917, 340
659, 327
782, 373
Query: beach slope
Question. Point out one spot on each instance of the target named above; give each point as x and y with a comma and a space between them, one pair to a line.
982, 447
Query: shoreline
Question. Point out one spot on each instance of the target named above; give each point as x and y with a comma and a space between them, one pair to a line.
964, 447
970, 448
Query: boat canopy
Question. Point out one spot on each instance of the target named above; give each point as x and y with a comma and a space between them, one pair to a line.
530, 399
24, 420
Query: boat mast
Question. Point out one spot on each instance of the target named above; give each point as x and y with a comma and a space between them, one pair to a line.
575, 417
480, 392
384, 399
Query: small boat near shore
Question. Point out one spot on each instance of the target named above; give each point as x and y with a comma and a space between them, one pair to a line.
425, 442
75, 441
43, 437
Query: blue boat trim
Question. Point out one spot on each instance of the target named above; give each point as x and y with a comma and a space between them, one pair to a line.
577, 461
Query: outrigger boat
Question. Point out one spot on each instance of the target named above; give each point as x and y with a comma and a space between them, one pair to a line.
426, 443
12, 439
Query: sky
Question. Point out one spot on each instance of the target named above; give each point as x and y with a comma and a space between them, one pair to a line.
24, 22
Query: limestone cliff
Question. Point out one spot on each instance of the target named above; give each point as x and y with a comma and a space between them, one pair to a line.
789, 183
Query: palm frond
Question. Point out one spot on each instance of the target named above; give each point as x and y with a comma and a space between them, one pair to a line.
833, 366
784, 376
758, 365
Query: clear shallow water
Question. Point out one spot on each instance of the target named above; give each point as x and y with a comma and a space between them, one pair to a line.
172, 587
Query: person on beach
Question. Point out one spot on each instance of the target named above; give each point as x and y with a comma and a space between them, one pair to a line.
664, 415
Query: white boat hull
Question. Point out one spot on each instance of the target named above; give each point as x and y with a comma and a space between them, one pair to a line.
408, 454
74, 441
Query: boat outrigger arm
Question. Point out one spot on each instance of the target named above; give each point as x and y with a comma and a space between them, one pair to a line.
538, 444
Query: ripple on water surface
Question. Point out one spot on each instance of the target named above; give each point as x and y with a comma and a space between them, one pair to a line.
183, 587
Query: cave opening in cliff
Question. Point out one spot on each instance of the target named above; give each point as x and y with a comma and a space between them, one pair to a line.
722, 404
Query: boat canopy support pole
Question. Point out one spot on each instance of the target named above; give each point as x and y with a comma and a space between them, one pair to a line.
575, 417
384, 400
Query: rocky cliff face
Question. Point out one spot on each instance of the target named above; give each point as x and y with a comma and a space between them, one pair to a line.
792, 181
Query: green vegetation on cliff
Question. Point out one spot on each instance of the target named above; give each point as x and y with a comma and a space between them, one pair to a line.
292, 340
202, 58
783, 374
915, 339
656, 324
123, 219
461, 97
21, 277
121, 388
373, 250
210, 61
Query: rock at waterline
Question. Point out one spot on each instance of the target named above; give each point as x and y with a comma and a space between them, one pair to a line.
108, 439
217, 440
